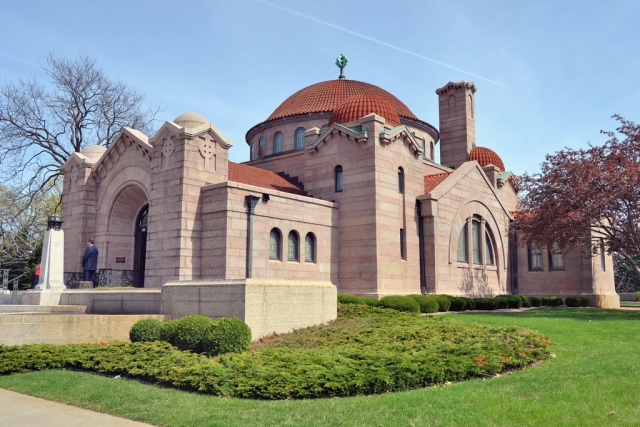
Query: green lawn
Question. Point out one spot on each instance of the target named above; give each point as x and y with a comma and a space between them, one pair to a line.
593, 381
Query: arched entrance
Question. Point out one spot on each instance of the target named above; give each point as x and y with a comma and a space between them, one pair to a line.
140, 252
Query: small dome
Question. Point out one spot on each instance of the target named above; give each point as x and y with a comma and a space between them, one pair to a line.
357, 106
485, 157
94, 151
190, 120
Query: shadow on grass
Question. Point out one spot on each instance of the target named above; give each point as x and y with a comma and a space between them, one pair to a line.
566, 313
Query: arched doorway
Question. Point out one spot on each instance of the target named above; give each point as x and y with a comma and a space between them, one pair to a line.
140, 252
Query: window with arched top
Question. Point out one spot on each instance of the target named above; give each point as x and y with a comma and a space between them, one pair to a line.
293, 249
261, 146
475, 241
463, 245
338, 179
556, 257
400, 180
432, 154
253, 151
535, 256
488, 251
299, 139
275, 244
277, 142
310, 248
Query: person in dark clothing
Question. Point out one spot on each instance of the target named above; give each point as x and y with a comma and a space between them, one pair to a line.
90, 262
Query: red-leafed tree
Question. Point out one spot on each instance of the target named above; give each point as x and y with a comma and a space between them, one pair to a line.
582, 196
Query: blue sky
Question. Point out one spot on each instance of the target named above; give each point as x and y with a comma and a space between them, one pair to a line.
549, 73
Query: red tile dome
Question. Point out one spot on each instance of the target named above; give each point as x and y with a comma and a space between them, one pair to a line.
324, 97
358, 106
485, 157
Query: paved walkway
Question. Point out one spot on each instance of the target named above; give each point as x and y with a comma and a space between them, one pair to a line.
20, 410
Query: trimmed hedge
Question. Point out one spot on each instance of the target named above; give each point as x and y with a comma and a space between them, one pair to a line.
470, 303
400, 303
190, 331
536, 301
146, 330
349, 299
513, 301
444, 303
457, 304
502, 302
226, 335
637, 295
552, 301
577, 301
526, 301
427, 304
370, 301
486, 303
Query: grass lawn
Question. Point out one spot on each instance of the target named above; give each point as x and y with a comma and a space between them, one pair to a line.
630, 303
593, 381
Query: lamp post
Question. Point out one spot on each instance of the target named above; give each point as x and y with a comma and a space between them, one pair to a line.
54, 222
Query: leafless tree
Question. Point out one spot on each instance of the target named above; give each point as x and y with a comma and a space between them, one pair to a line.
41, 125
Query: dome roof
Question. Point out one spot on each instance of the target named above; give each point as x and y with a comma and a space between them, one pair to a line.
485, 157
190, 120
356, 107
324, 97
94, 151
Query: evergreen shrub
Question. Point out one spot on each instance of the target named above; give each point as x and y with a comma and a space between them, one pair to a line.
427, 304
190, 331
552, 301
514, 300
370, 301
470, 303
577, 301
444, 302
226, 335
637, 294
501, 301
485, 303
457, 304
349, 299
168, 331
526, 301
145, 330
400, 303
536, 301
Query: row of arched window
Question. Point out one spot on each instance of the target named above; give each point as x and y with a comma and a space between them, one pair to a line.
428, 153
534, 255
257, 150
293, 246
482, 249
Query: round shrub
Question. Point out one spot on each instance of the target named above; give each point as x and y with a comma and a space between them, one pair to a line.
637, 295
514, 300
526, 301
349, 299
470, 303
576, 301
168, 331
145, 330
457, 304
501, 302
226, 335
370, 301
400, 303
190, 332
427, 304
485, 303
536, 302
552, 301
444, 303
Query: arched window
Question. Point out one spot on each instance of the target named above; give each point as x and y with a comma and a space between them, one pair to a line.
293, 248
310, 248
424, 148
277, 142
556, 257
433, 157
261, 146
253, 151
338, 178
400, 180
462, 245
475, 241
275, 244
488, 243
299, 137
535, 257
602, 258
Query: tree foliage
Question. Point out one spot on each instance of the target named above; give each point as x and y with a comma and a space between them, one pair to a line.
582, 196
42, 125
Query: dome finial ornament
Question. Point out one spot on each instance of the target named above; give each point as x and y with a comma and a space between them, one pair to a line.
341, 62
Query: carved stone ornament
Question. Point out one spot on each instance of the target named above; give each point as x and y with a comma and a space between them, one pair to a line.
206, 149
167, 147
74, 173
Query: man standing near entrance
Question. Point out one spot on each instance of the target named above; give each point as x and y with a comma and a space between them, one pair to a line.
90, 262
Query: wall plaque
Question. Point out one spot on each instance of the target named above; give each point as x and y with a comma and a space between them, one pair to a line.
119, 260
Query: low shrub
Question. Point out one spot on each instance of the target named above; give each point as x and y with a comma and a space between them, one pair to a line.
552, 301
501, 302
145, 330
168, 331
526, 301
637, 295
427, 304
400, 303
457, 304
577, 301
514, 301
226, 335
486, 303
349, 299
444, 302
470, 303
370, 301
536, 301
190, 331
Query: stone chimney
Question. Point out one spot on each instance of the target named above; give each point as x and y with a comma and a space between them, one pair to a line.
457, 122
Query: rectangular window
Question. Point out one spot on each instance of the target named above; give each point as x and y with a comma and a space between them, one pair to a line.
602, 259
535, 257
556, 257
403, 250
